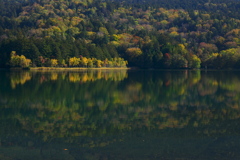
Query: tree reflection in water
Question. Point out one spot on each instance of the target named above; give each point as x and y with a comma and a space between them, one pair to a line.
120, 114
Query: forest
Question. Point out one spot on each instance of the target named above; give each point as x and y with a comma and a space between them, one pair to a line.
103, 33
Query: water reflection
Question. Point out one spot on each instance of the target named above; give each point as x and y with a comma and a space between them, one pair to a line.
84, 76
92, 113
19, 78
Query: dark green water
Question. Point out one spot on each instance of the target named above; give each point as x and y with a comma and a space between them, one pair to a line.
120, 115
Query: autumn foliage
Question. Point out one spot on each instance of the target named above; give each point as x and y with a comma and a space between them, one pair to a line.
190, 32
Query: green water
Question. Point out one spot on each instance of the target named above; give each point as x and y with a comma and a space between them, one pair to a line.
120, 115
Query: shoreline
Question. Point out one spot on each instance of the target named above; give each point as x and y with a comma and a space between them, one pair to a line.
74, 69
105, 68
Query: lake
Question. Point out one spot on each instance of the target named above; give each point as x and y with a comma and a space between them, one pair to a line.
119, 115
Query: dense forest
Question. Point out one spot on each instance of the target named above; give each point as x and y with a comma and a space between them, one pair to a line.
145, 34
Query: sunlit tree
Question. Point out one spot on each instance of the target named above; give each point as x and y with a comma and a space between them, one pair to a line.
19, 61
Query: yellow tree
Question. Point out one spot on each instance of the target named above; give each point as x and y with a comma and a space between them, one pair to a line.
19, 61
133, 52
182, 49
74, 61
90, 63
84, 61
14, 61
98, 63
54, 62
133, 55
24, 62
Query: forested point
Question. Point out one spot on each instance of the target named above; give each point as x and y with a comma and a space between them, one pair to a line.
97, 33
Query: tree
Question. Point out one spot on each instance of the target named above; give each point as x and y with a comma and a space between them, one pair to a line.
98, 63
178, 61
134, 56
62, 63
19, 61
195, 62
90, 63
73, 62
84, 62
133, 52
54, 62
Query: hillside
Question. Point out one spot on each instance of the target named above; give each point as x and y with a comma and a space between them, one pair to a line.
148, 34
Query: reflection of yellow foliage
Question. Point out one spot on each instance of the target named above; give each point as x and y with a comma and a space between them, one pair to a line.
69, 116
195, 77
173, 106
231, 86
172, 122
181, 91
84, 77
75, 116
220, 98
54, 76
195, 124
215, 83
103, 144
63, 76
90, 104
135, 87
207, 88
21, 78
74, 77
93, 76
99, 75
163, 114
235, 106
103, 107
116, 99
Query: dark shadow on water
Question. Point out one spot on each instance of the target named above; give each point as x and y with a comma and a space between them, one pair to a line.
108, 115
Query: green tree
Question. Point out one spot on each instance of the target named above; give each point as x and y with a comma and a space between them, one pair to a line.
178, 61
195, 62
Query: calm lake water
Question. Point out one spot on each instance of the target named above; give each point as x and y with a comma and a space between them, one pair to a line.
120, 115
